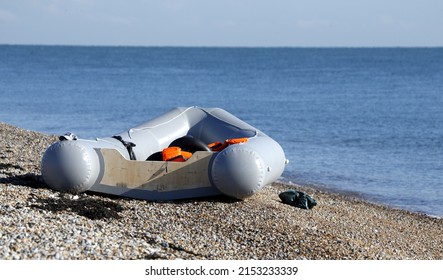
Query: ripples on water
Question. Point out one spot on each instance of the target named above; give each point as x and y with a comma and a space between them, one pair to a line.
364, 120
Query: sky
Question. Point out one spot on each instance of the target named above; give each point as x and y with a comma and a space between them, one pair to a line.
247, 23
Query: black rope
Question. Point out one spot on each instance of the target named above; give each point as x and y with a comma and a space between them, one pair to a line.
128, 145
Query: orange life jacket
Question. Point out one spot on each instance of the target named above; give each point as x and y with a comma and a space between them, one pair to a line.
218, 146
175, 154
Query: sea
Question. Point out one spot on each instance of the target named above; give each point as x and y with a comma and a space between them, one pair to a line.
364, 122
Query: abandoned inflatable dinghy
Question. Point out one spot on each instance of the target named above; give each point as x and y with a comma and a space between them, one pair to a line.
185, 153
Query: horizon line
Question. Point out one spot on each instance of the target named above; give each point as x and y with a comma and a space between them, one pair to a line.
219, 46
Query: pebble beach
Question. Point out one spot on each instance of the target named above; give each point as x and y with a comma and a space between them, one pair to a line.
37, 222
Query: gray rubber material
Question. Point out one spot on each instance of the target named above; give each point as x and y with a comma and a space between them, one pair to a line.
238, 171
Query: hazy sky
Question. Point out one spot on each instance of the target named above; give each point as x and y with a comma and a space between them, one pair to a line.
223, 22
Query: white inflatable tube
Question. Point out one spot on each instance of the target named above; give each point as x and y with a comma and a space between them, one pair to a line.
118, 165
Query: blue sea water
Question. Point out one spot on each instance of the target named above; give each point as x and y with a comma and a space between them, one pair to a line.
363, 121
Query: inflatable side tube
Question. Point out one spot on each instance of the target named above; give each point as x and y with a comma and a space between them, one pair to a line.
241, 170
74, 166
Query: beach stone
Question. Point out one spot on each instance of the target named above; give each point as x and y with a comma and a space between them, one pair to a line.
37, 222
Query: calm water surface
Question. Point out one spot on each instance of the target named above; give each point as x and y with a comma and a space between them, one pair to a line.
366, 121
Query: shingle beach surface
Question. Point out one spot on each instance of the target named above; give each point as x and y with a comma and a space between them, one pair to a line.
39, 223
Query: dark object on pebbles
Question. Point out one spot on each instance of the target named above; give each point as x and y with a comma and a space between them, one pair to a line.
297, 199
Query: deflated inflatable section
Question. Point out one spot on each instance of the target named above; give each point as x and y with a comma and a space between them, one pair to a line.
185, 153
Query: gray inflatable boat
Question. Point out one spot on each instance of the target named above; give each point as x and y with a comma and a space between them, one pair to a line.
185, 153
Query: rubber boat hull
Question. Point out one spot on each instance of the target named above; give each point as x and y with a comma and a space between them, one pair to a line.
122, 164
